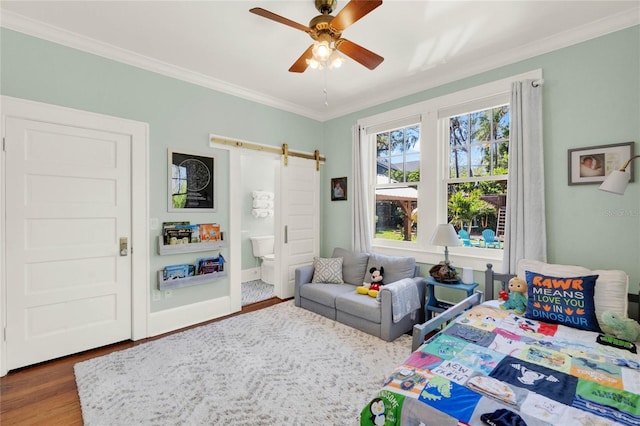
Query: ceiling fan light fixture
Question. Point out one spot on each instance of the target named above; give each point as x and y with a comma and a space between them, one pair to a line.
335, 60
313, 64
321, 50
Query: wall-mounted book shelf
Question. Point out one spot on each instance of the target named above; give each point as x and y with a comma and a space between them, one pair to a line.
188, 281
165, 249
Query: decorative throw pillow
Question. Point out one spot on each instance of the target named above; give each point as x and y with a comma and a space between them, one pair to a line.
611, 291
327, 270
566, 301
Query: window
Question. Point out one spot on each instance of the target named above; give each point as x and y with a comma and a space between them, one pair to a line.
397, 179
477, 182
438, 161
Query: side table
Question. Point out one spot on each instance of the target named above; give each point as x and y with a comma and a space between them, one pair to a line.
433, 305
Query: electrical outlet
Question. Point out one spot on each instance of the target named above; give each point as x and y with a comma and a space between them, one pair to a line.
156, 295
168, 294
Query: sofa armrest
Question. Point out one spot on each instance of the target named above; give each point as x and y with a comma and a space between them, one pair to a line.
390, 330
385, 295
303, 275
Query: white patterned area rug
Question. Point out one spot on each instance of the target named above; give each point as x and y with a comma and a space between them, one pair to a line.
280, 365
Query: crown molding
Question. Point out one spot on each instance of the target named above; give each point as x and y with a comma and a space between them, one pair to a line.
73, 40
417, 84
451, 73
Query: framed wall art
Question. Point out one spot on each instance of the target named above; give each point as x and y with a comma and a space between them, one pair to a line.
339, 189
593, 164
192, 182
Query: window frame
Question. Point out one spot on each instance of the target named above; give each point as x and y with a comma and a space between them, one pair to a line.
434, 167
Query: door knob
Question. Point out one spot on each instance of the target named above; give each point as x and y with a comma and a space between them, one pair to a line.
124, 250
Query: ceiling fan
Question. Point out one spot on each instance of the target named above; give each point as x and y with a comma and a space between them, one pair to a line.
326, 31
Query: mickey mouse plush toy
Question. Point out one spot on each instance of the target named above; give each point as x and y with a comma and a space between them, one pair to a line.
376, 280
373, 287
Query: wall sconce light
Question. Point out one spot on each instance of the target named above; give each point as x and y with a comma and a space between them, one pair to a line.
618, 180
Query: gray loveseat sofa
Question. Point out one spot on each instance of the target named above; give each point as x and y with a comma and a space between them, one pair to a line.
342, 303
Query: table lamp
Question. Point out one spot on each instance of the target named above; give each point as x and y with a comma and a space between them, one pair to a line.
618, 180
446, 236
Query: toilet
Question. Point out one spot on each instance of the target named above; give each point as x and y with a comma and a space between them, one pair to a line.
263, 248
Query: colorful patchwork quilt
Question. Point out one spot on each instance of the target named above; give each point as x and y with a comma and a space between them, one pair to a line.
492, 367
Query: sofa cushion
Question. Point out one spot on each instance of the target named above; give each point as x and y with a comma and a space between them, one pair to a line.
611, 289
327, 270
359, 305
325, 294
354, 265
395, 267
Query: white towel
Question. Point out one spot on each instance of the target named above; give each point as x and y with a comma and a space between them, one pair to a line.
405, 298
263, 195
262, 213
263, 204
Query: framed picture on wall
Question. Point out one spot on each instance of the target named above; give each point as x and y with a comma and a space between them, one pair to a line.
593, 164
192, 183
339, 189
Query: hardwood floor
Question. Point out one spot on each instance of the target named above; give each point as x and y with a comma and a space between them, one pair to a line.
46, 393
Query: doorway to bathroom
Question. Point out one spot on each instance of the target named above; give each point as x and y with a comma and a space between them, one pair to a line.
294, 179
258, 189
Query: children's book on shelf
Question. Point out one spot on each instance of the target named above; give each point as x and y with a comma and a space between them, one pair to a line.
170, 226
195, 232
209, 265
178, 236
172, 272
209, 232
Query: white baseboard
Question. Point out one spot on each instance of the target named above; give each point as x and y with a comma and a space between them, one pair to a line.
185, 316
250, 274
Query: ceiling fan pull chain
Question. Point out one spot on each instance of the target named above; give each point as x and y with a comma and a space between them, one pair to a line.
326, 94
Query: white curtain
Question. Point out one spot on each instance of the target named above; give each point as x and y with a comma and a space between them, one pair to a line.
525, 234
361, 229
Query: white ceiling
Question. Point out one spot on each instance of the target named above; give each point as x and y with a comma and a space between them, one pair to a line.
219, 44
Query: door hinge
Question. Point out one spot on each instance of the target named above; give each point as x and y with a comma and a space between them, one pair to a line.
4, 334
3, 148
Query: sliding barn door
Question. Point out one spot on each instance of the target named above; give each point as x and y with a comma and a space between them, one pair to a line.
300, 219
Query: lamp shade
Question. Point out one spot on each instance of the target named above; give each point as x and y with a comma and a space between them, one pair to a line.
445, 235
616, 182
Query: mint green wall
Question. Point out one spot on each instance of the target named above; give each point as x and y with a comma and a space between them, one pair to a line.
180, 116
591, 97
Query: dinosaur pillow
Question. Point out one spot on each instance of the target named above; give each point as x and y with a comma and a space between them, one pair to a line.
559, 300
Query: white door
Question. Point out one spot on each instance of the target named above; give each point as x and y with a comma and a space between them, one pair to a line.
68, 204
300, 219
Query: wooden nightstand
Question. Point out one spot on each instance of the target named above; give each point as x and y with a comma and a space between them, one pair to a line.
433, 305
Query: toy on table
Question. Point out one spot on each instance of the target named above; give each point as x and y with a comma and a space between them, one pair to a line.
372, 288
623, 328
517, 298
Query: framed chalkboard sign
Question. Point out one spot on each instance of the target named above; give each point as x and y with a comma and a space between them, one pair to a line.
192, 182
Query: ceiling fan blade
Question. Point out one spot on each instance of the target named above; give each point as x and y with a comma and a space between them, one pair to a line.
281, 19
359, 53
353, 11
301, 64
